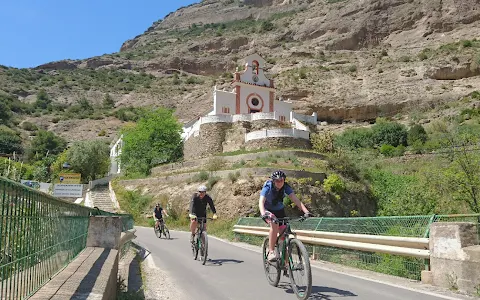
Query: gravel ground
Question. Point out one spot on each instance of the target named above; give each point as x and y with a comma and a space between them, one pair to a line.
143, 279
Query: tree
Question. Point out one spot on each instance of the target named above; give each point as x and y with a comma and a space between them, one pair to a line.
46, 142
155, 139
462, 174
89, 158
10, 141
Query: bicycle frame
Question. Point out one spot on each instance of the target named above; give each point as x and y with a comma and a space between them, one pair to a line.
286, 234
199, 232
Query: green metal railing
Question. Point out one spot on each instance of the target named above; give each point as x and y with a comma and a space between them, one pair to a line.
407, 226
39, 236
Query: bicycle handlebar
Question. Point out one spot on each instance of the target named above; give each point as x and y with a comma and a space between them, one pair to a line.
200, 218
278, 220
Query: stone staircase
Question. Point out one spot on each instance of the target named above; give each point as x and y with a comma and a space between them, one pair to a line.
101, 198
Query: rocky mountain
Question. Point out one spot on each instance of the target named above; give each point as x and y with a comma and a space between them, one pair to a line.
346, 60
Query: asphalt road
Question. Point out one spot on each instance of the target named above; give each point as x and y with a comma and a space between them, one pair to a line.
237, 273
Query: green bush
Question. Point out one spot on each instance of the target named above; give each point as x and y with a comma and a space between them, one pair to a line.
392, 133
341, 163
387, 150
354, 138
416, 133
29, 126
323, 142
390, 151
334, 184
267, 26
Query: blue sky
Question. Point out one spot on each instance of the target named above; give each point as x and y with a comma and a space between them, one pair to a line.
33, 32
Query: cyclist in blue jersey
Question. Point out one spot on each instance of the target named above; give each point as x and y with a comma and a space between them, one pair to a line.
272, 207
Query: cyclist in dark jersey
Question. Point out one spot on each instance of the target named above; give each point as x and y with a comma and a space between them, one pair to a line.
198, 209
158, 213
272, 207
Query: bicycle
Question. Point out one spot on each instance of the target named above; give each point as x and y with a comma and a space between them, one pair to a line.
284, 252
162, 228
200, 241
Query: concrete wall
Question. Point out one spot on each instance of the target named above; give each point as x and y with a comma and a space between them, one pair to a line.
454, 257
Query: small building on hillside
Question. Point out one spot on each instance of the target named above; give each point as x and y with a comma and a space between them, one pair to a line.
247, 117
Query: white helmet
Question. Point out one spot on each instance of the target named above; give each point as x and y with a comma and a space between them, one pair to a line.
202, 188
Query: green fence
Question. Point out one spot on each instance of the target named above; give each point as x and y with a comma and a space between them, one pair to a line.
39, 236
407, 226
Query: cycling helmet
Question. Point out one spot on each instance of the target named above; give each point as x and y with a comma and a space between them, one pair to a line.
278, 174
202, 188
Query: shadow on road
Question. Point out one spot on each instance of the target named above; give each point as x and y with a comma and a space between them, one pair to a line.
142, 253
321, 292
220, 262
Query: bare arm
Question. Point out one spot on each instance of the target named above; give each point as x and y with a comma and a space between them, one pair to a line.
298, 203
261, 205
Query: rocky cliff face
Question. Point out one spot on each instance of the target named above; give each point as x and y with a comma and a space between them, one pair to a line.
347, 60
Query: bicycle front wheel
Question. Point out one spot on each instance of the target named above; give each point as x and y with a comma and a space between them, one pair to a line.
204, 248
299, 269
166, 233
272, 269
195, 246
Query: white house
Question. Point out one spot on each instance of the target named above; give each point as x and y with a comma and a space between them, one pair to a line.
115, 151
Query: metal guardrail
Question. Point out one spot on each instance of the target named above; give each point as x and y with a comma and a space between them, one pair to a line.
39, 236
392, 245
405, 246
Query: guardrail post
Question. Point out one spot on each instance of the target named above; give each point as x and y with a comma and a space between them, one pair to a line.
454, 256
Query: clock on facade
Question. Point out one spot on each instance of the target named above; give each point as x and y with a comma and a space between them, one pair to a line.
255, 78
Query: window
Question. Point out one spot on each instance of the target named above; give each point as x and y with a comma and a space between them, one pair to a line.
255, 67
282, 119
226, 110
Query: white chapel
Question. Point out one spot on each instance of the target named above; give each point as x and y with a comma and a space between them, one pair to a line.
252, 93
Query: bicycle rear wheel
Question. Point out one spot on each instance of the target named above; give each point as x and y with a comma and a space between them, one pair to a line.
157, 232
272, 269
204, 248
299, 269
